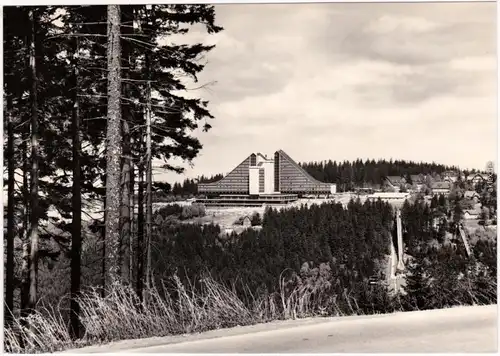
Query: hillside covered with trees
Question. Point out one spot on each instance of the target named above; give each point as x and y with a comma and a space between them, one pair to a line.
348, 175
330, 254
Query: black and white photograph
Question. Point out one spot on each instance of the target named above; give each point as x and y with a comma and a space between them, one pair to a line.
266, 178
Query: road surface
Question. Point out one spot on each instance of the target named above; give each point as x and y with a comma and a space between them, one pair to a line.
457, 330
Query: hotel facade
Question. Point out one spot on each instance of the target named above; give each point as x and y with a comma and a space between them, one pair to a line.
258, 175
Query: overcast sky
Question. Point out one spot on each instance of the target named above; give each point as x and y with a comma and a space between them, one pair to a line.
412, 81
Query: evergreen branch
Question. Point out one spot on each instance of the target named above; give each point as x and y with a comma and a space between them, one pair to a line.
92, 96
75, 35
138, 41
22, 124
168, 112
139, 80
96, 118
204, 86
87, 23
21, 188
56, 18
101, 69
44, 229
90, 216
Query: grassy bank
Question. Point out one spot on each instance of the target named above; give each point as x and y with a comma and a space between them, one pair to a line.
120, 315
174, 310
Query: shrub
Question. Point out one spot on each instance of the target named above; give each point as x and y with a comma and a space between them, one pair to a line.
169, 210
239, 221
256, 219
193, 211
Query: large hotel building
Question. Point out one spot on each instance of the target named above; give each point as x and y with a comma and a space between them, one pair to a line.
261, 179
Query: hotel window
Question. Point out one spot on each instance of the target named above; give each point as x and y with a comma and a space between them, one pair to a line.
253, 159
276, 172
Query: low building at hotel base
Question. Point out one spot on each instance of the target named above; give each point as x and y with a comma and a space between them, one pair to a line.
260, 180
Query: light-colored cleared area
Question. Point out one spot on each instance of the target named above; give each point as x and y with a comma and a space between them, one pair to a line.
457, 330
226, 216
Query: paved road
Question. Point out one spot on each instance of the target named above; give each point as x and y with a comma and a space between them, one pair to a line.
458, 330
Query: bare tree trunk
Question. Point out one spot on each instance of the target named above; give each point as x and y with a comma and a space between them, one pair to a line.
25, 269
132, 189
140, 224
125, 207
34, 168
132, 216
149, 202
149, 169
9, 278
103, 255
76, 240
24, 233
113, 149
26, 248
126, 15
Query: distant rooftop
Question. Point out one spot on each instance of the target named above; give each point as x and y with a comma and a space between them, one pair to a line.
441, 185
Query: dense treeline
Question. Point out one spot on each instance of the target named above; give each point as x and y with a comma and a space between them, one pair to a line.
348, 175
334, 251
189, 187
440, 274
488, 195
350, 243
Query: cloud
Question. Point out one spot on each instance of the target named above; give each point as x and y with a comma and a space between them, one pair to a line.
342, 81
409, 24
475, 64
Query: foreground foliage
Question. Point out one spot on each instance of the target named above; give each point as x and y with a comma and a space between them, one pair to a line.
304, 262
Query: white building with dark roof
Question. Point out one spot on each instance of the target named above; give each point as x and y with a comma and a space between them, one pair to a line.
441, 187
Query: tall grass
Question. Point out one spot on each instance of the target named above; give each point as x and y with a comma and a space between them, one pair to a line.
121, 315
179, 309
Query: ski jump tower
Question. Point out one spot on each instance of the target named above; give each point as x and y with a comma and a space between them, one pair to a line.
397, 264
399, 228
461, 231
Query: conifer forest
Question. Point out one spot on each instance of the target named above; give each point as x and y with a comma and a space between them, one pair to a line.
92, 95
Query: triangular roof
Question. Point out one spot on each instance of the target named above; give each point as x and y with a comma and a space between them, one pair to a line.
395, 179
416, 178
